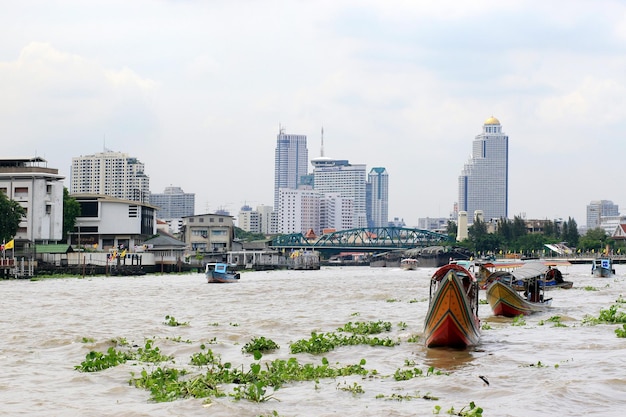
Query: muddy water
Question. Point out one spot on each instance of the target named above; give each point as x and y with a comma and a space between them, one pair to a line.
533, 368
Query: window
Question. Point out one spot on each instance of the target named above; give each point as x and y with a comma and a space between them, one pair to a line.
48, 209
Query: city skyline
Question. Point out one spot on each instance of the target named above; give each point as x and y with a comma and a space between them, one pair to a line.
401, 85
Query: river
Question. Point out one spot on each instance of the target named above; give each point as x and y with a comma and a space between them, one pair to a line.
534, 367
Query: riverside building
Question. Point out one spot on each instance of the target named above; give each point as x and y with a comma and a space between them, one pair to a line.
484, 181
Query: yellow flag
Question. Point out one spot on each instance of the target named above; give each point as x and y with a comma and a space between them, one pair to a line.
123, 254
10, 244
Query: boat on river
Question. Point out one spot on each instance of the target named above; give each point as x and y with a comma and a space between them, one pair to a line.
452, 317
602, 267
409, 264
221, 273
507, 300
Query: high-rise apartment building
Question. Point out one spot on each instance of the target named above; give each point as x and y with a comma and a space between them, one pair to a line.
484, 181
298, 211
377, 197
290, 163
598, 209
110, 173
173, 203
341, 177
249, 220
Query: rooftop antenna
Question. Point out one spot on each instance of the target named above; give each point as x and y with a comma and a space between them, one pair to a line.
281, 129
322, 145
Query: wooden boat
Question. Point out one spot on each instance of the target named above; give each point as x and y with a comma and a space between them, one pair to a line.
409, 264
507, 301
452, 317
221, 273
602, 267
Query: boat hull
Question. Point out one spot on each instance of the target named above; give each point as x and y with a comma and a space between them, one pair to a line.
451, 320
217, 278
505, 301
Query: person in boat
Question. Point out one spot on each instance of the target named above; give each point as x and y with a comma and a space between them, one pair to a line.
554, 274
532, 292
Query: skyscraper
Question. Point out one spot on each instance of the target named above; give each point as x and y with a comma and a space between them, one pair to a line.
173, 203
484, 182
378, 197
110, 173
290, 163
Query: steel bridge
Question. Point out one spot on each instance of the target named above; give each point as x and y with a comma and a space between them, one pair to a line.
372, 239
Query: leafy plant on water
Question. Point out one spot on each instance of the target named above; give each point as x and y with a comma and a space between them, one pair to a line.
554, 319
589, 288
392, 300
414, 338
519, 321
486, 326
610, 315
402, 325
87, 340
151, 354
325, 342
621, 332
171, 321
620, 300
407, 397
260, 344
361, 327
482, 301
471, 410
97, 361
354, 388
406, 374
179, 339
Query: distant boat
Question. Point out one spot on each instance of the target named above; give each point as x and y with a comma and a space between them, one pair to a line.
507, 300
409, 264
452, 317
221, 273
602, 267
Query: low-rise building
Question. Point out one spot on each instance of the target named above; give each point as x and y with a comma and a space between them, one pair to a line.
108, 223
208, 233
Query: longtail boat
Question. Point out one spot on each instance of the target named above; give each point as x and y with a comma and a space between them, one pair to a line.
452, 317
221, 273
507, 301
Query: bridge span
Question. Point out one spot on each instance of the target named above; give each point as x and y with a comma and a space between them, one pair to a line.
372, 239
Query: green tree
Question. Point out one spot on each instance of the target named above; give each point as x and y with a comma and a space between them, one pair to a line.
594, 239
71, 210
452, 229
12, 214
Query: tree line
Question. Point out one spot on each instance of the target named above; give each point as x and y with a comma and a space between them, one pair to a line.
512, 236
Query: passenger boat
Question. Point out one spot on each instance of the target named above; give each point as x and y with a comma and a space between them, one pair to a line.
221, 273
506, 300
602, 267
409, 264
452, 317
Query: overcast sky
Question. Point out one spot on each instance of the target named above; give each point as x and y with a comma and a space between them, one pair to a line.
196, 90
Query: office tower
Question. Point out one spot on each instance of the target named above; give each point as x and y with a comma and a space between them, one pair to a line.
598, 209
39, 190
266, 213
290, 163
110, 173
348, 180
377, 197
484, 182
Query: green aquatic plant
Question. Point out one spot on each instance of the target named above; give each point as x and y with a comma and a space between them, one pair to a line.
485, 326
519, 321
589, 288
406, 374
554, 319
407, 397
87, 340
354, 388
610, 315
260, 344
325, 342
371, 327
150, 353
413, 338
171, 321
97, 361
621, 332
471, 410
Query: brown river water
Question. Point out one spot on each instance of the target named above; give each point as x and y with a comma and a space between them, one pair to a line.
533, 368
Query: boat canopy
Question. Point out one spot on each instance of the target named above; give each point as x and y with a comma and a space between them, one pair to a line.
530, 270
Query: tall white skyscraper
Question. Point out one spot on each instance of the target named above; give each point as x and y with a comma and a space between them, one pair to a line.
378, 198
110, 173
348, 180
298, 211
484, 182
290, 163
